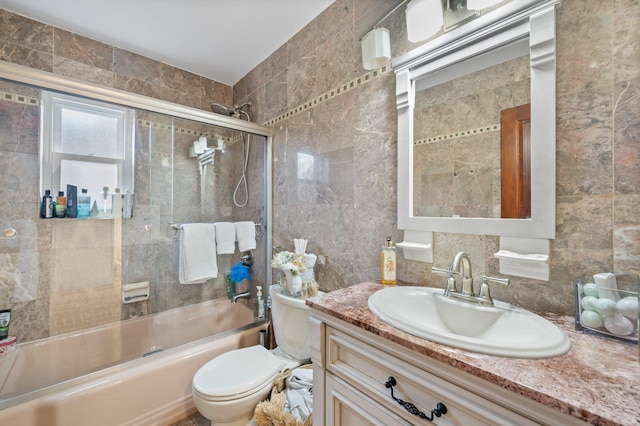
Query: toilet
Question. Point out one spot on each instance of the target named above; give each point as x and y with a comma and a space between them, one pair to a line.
227, 389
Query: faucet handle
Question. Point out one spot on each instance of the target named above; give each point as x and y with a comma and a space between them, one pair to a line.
485, 293
451, 281
495, 280
440, 271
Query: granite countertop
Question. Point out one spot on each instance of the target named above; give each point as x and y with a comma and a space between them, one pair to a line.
597, 381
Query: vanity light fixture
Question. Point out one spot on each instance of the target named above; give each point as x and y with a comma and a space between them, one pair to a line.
424, 19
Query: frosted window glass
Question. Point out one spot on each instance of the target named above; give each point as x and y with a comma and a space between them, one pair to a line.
89, 134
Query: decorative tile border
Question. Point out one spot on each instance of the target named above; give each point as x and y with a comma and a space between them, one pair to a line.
457, 135
183, 130
371, 75
14, 97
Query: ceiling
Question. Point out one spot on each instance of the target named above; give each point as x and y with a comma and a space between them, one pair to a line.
219, 39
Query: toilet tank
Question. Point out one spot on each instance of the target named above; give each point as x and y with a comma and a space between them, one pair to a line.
290, 320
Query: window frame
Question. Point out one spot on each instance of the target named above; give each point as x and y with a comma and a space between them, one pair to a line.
51, 153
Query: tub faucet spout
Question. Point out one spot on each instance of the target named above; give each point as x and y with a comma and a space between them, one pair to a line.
244, 294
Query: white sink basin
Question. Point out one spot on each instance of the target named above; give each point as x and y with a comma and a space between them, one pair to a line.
500, 330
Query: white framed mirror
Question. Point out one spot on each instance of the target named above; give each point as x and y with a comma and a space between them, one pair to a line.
508, 56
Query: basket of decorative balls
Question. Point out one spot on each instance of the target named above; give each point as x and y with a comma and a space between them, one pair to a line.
607, 304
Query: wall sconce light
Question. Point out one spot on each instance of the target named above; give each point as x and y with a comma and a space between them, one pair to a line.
376, 49
424, 19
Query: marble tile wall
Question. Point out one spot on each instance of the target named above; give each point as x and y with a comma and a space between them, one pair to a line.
63, 275
36, 45
347, 206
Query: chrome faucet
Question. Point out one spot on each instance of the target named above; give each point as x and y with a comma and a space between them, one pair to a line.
244, 294
461, 265
467, 276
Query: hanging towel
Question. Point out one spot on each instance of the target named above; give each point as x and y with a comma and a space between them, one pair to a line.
197, 253
225, 237
246, 235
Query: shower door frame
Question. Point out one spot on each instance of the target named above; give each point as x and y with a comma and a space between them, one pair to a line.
49, 81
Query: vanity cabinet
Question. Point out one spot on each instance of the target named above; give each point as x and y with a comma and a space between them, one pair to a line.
351, 367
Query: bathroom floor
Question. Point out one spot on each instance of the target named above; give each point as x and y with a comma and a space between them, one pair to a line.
193, 420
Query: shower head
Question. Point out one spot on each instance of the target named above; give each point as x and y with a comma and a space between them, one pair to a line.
221, 109
237, 111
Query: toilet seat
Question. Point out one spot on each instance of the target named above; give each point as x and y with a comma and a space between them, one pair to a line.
236, 374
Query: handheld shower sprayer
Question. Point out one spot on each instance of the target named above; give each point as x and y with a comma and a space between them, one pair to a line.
238, 111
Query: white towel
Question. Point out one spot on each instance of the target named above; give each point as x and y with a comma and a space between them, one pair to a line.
198, 261
225, 237
299, 397
246, 235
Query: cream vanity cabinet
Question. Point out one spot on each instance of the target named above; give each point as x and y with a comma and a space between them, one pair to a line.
352, 365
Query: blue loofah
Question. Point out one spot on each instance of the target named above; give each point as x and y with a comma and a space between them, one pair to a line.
239, 272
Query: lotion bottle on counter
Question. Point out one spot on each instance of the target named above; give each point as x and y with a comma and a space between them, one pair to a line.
388, 263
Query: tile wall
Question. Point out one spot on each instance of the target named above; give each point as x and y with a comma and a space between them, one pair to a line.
347, 205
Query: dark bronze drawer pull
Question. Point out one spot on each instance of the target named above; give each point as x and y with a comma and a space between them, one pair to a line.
436, 412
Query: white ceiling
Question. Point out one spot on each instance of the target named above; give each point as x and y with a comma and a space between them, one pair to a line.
219, 39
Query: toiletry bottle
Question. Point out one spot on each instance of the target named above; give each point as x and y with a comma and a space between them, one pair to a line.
103, 211
5, 319
388, 259
84, 204
260, 302
46, 208
72, 201
61, 204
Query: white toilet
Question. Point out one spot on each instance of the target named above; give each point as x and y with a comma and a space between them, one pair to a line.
227, 389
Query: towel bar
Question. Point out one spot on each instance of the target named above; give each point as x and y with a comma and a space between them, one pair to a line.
178, 226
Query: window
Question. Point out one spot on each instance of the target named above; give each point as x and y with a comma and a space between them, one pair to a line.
85, 143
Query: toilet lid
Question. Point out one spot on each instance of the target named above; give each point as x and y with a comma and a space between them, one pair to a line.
236, 373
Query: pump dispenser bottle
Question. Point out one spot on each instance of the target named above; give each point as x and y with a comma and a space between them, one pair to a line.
260, 302
388, 262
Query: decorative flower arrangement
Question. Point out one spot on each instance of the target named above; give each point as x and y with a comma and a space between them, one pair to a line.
288, 262
298, 279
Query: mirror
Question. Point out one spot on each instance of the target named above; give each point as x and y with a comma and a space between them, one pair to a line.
459, 127
457, 96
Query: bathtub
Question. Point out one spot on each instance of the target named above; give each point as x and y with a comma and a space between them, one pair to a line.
135, 372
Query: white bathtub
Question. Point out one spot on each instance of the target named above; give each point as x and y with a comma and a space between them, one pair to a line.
100, 376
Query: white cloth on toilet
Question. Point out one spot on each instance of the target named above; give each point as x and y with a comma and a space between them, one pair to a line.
225, 237
197, 261
299, 393
246, 235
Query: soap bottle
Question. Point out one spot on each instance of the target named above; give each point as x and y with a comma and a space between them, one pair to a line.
46, 208
61, 204
260, 302
84, 204
388, 261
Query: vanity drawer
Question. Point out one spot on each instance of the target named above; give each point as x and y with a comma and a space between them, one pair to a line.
367, 368
346, 406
